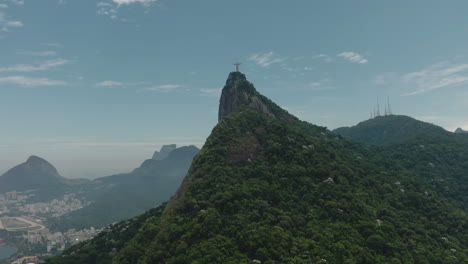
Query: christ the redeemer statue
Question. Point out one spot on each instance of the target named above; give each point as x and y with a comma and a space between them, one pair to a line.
237, 66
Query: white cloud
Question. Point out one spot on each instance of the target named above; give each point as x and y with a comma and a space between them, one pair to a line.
16, 2
6, 23
127, 2
14, 24
47, 53
163, 88
107, 9
353, 57
49, 64
440, 75
111, 8
31, 82
52, 44
324, 57
110, 84
380, 79
321, 85
211, 92
265, 59
3, 6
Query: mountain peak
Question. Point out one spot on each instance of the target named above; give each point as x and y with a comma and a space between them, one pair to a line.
40, 164
35, 173
36, 159
460, 131
239, 92
164, 152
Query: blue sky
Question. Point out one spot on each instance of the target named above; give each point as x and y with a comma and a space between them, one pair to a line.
96, 86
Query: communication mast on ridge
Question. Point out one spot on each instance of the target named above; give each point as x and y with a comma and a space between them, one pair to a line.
376, 111
378, 107
388, 106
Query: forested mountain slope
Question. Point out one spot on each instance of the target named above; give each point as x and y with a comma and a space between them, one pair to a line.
269, 189
389, 129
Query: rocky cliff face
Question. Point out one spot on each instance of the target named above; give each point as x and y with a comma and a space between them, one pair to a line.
239, 92
164, 152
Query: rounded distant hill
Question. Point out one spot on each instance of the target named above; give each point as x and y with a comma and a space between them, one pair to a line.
389, 129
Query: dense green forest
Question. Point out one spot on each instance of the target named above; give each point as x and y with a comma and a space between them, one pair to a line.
268, 191
389, 129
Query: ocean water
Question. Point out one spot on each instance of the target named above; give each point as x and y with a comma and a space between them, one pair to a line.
6, 251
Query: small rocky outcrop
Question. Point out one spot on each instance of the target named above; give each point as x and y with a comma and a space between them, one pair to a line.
164, 152
460, 131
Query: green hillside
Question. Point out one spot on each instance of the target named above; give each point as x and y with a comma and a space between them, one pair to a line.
268, 190
389, 129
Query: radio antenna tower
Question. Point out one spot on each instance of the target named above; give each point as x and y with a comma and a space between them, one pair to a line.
388, 106
378, 107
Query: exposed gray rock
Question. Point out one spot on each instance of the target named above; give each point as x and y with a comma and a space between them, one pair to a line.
164, 152
239, 92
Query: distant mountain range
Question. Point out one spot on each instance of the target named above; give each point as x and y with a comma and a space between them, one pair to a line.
126, 195
37, 176
113, 198
268, 188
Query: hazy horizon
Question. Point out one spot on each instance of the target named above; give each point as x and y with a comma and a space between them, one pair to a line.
132, 154
96, 87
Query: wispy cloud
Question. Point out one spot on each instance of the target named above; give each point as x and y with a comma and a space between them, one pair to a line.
110, 84
16, 2
265, 59
439, 75
111, 8
47, 53
107, 9
211, 92
380, 79
3, 6
52, 44
31, 82
321, 85
6, 23
324, 57
47, 65
127, 2
15, 24
353, 57
163, 88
